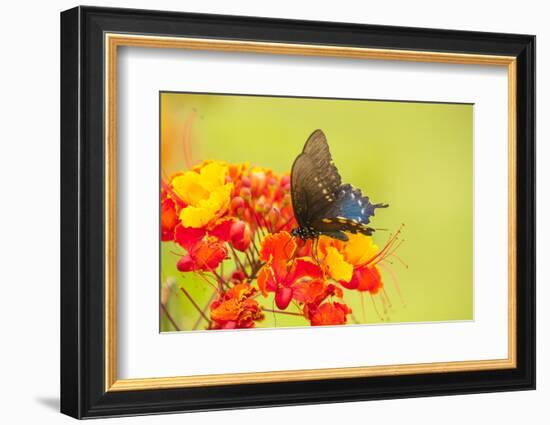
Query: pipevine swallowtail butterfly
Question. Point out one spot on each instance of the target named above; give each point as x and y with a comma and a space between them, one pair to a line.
322, 204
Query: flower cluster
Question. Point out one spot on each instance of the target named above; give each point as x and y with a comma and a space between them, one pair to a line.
218, 213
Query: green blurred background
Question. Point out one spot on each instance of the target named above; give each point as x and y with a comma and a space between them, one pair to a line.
418, 157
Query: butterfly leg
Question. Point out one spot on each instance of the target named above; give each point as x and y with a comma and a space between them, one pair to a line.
314, 248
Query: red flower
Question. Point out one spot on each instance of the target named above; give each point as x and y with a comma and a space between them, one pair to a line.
282, 276
205, 255
205, 249
188, 237
236, 309
314, 292
365, 278
327, 314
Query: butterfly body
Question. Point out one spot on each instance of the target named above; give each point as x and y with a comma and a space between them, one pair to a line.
322, 204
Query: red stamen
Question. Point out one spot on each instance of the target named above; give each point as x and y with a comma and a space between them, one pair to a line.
387, 247
385, 294
395, 282
376, 308
362, 297
400, 260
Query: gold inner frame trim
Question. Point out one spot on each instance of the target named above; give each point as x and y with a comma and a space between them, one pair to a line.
113, 41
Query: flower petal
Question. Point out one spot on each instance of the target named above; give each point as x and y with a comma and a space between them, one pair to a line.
213, 175
337, 267
278, 246
207, 209
188, 186
359, 249
300, 268
227, 310
366, 279
265, 280
168, 220
308, 291
329, 314
188, 237
222, 228
235, 308
208, 254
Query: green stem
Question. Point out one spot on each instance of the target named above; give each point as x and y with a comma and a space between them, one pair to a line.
169, 317
190, 298
290, 313
199, 319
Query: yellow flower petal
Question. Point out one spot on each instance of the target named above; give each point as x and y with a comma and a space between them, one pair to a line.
205, 192
207, 209
338, 268
189, 188
359, 248
213, 175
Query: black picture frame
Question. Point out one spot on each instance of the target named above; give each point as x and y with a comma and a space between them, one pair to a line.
82, 219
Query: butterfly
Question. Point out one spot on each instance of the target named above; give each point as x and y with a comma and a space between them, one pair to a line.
322, 204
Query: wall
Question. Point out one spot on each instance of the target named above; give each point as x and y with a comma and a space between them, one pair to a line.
29, 225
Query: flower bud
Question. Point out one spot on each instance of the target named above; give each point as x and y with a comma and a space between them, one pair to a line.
185, 264
245, 181
237, 276
240, 235
283, 297
273, 217
257, 181
169, 219
237, 204
246, 194
260, 205
272, 183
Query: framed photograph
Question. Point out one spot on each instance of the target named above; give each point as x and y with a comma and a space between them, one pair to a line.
261, 212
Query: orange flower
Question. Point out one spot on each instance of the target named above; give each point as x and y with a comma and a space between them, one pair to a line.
279, 274
328, 314
235, 309
314, 292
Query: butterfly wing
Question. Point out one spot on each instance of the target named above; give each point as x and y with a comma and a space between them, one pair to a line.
314, 180
352, 206
351, 212
319, 198
299, 177
328, 178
